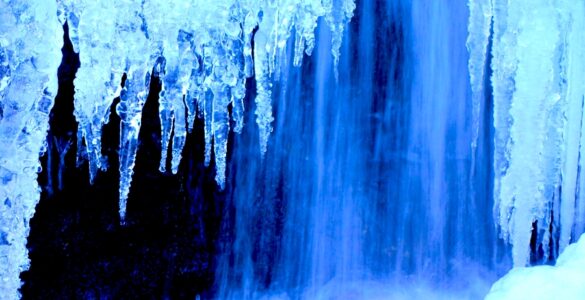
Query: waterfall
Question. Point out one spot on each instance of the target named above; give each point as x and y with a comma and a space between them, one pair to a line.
366, 149
369, 176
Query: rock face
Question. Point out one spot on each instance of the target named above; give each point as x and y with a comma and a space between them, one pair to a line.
565, 280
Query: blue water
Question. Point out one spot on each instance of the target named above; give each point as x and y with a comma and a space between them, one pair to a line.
369, 181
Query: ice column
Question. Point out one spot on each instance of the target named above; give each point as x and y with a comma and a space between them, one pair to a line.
480, 17
572, 206
538, 110
30, 42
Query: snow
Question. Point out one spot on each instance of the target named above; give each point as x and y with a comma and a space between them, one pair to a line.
565, 281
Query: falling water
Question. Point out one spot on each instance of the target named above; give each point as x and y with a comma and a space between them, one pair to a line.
370, 176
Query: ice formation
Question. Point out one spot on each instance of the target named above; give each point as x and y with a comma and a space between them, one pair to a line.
480, 17
200, 50
537, 74
203, 51
30, 42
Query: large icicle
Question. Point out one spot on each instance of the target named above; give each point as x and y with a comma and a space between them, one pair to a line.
30, 42
538, 74
573, 78
98, 79
480, 18
262, 61
525, 103
120, 46
130, 111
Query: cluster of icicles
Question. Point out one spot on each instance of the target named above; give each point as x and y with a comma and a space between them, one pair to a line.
538, 70
201, 51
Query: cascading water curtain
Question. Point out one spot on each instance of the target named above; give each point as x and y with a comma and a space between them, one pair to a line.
380, 146
370, 176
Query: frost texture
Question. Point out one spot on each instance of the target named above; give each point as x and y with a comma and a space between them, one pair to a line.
537, 81
202, 53
30, 42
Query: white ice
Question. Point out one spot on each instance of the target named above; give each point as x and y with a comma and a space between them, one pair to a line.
30, 42
538, 96
201, 51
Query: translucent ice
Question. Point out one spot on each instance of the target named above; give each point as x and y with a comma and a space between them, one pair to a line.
538, 107
30, 39
201, 51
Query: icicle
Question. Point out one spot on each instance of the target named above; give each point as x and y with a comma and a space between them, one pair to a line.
525, 104
165, 112
338, 15
92, 107
129, 109
220, 125
250, 23
504, 63
184, 70
573, 74
207, 123
264, 87
179, 132
480, 17
97, 82
195, 93
166, 116
238, 93
299, 49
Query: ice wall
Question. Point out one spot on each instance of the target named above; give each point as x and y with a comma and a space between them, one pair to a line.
30, 39
537, 74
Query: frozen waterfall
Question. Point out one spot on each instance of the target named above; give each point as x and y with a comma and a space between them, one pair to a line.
377, 143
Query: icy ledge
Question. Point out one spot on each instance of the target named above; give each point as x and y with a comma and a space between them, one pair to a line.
566, 280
